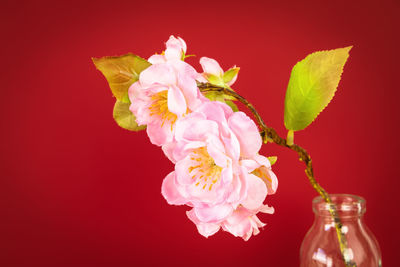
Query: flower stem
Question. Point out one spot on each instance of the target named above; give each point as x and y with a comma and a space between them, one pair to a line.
271, 135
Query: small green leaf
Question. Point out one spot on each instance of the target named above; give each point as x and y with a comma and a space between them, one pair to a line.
211, 95
230, 74
125, 118
232, 105
312, 85
121, 72
273, 159
214, 79
186, 56
221, 97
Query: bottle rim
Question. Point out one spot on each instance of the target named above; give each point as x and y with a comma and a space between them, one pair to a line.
346, 204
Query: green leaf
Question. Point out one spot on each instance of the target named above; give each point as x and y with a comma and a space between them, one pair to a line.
125, 98
230, 74
121, 72
272, 159
312, 85
125, 118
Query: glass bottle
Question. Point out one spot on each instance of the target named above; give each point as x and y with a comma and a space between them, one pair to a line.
320, 246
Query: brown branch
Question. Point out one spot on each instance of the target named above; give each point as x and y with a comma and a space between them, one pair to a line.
269, 134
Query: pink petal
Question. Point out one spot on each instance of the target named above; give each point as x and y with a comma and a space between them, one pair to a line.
158, 73
257, 221
249, 164
267, 209
213, 214
182, 149
141, 100
176, 101
256, 192
232, 146
244, 187
190, 90
272, 185
215, 111
247, 133
182, 169
194, 127
262, 160
269, 176
135, 90
159, 135
168, 150
170, 192
199, 197
183, 68
139, 108
238, 216
173, 53
238, 224
216, 150
236, 189
243, 223
211, 66
201, 78
183, 44
156, 59
208, 229
254, 226
205, 229
190, 186
175, 48
227, 174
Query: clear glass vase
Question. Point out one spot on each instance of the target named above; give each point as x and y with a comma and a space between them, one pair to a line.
320, 246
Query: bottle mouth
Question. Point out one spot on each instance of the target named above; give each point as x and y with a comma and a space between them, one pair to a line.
346, 205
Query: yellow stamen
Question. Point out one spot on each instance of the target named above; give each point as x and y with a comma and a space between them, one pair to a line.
193, 167
206, 168
159, 107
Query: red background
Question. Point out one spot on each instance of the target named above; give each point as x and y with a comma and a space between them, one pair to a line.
77, 190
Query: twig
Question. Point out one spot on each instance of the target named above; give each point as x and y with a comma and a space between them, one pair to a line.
271, 135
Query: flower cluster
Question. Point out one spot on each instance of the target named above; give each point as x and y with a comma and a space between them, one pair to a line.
219, 172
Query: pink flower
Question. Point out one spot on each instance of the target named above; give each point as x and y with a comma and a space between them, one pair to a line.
165, 92
216, 156
241, 223
175, 50
261, 167
214, 74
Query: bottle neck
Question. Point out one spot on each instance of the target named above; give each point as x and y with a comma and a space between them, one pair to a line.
348, 207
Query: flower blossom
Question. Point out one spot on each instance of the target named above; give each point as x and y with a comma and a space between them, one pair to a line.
218, 170
165, 92
241, 223
213, 73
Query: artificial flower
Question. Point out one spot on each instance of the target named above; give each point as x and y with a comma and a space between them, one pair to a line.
214, 163
241, 222
213, 73
165, 92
